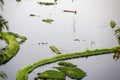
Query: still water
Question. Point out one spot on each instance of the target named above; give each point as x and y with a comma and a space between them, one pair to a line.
88, 26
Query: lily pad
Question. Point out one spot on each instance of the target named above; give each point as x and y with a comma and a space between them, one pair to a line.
52, 75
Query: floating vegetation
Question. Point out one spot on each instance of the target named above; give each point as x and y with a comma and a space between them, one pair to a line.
112, 24
70, 11
116, 55
23, 38
46, 3
55, 50
55, 1
76, 39
2, 2
62, 63
11, 49
52, 75
72, 72
23, 73
67, 69
3, 75
48, 20
12, 46
32, 15
3, 24
18, 0
117, 34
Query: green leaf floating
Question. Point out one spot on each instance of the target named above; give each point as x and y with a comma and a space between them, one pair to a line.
55, 50
112, 24
48, 20
66, 64
52, 75
72, 72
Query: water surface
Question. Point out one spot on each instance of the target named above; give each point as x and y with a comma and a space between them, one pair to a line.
87, 26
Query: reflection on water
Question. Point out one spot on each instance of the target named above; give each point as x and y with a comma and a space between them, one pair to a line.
85, 26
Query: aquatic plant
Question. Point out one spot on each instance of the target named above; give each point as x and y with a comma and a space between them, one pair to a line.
32, 15
112, 24
3, 24
46, 3
55, 50
3, 75
23, 73
22, 38
48, 20
2, 2
116, 55
11, 49
72, 72
62, 63
55, 1
18, 0
52, 75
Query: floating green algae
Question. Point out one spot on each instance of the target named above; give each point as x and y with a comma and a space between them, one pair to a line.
72, 72
52, 75
112, 24
23, 38
48, 20
23, 73
11, 49
62, 63
32, 15
55, 50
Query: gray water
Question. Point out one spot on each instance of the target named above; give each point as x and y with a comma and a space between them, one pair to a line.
90, 21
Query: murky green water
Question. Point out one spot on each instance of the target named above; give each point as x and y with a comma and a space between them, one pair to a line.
87, 26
